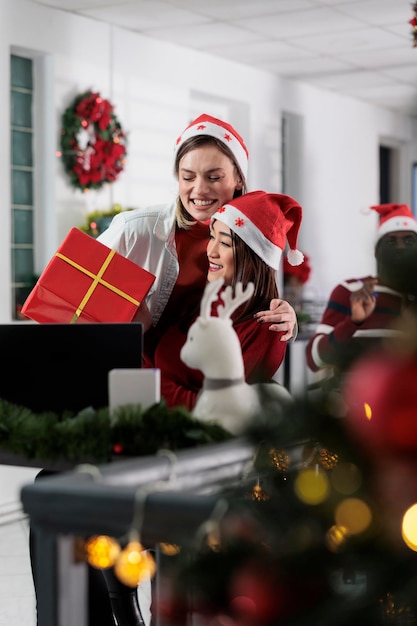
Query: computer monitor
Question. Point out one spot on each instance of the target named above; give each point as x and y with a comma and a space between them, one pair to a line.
64, 367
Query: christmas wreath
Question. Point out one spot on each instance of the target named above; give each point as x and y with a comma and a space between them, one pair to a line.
93, 144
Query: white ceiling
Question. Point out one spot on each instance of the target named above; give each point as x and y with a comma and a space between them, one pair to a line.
359, 48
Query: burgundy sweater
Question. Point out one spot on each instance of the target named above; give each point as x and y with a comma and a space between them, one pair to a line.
338, 341
262, 352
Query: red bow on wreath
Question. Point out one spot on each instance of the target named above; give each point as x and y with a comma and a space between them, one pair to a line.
93, 143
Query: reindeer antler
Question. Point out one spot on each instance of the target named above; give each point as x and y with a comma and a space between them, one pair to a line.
232, 303
209, 296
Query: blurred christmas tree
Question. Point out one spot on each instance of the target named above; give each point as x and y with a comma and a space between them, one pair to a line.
324, 530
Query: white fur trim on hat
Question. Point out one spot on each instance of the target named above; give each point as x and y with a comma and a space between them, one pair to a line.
396, 223
214, 128
250, 234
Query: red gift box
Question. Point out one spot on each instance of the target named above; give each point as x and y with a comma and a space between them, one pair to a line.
87, 282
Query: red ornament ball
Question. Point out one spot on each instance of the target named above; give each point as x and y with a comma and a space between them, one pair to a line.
381, 394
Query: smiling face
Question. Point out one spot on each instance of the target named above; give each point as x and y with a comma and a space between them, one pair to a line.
220, 253
207, 180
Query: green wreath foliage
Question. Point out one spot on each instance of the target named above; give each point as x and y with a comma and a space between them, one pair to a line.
98, 436
93, 143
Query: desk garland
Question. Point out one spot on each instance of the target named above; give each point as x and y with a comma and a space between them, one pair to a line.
98, 436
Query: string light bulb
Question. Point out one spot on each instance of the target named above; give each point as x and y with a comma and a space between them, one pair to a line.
102, 551
134, 564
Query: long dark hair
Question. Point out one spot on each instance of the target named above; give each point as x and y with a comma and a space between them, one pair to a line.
249, 267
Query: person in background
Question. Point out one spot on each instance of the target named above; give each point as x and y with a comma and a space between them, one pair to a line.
362, 312
247, 237
210, 164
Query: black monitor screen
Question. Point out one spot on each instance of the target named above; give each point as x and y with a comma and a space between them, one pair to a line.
64, 367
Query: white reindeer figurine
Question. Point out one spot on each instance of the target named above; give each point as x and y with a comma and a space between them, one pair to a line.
214, 348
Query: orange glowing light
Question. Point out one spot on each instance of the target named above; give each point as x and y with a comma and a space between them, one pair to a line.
368, 410
409, 528
134, 564
354, 515
336, 537
102, 551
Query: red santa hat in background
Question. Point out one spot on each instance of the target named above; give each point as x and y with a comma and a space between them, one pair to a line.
394, 217
302, 272
213, 127
265, 222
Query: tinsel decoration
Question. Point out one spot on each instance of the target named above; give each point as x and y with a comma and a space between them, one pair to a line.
328, 460
259, 494
280, 460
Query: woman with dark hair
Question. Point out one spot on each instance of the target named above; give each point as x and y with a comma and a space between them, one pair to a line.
210, 164
211, 161
247, 237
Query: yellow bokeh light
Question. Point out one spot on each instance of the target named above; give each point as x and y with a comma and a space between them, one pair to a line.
335, 537
353, 514
134, 564
312, 486
409, 528
368, 410
102, 551
346, 478
170, 549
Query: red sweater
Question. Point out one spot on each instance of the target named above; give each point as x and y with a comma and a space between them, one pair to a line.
262, 352
338, 341
191, 246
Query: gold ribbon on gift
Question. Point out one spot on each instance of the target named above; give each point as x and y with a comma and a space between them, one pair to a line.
97, 279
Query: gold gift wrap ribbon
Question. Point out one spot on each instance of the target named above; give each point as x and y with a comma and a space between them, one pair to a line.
97, 279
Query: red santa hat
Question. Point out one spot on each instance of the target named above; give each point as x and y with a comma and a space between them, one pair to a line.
394, 217
265, 222
213, 127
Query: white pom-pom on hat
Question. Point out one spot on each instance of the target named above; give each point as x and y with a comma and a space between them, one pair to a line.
295, 257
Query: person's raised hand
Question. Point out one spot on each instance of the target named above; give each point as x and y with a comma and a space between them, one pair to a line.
363, 301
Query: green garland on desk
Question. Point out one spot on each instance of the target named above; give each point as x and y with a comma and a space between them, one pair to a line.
99, 436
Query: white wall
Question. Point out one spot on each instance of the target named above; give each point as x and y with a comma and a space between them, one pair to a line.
156, 89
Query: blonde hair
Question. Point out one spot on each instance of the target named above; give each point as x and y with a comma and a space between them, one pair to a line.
183, 218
